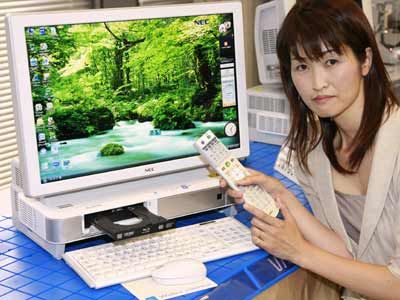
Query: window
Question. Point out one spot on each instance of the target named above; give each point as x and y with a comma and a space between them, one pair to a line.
8, 143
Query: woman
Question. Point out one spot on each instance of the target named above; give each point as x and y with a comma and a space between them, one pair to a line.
346, 135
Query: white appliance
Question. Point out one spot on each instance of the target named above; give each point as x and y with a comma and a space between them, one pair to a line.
268, 114
53, 222
268, 18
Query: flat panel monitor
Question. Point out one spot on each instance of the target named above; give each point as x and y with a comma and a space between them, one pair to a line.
112, 95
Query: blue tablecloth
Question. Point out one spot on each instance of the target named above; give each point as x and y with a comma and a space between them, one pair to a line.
29, 272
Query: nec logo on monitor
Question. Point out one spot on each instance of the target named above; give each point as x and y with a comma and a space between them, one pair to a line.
149, 170
201, 22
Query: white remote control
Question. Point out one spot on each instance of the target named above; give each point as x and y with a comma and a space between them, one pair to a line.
215, 152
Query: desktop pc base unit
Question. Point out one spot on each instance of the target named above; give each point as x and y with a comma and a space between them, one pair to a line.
58, 220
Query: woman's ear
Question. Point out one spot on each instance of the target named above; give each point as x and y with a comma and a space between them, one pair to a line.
366, 65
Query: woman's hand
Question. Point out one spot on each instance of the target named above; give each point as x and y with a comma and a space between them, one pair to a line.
281, 238
272, 185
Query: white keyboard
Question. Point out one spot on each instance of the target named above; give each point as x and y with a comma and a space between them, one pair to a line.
138, 257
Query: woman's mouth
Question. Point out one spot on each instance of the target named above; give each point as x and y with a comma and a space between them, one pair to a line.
322, 98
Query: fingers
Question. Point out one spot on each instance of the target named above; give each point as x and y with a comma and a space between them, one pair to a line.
259, 214
267, 241
253, 178
279, 237
268, 183
257, 178
252, 171
259, 237
284, 209
236, 195
223, 183
266, 236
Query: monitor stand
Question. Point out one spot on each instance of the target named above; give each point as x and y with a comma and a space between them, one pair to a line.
54, 221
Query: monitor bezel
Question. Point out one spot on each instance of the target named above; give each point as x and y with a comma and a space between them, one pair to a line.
23, 104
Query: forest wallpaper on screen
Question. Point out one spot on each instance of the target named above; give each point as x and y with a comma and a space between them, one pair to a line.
91, 80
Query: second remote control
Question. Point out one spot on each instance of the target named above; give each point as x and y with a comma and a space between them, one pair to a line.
215, 152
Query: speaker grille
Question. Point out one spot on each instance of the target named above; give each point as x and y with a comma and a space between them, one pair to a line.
269, 104
252, 118
17, 176
26, 214
272, 124
269, 40
14, 196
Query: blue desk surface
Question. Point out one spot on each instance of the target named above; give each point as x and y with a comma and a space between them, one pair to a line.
29, 272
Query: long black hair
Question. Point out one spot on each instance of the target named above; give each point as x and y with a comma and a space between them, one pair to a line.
334, 23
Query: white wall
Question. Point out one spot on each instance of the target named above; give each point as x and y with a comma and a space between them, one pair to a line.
5, 202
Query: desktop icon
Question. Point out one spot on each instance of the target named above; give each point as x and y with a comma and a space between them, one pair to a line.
42, 30
36, 79
54, 148
56, 164
47, 93
53, 31
52, 136
45, 61
46, 77
222, 28
38, 107
65, 164
43, 151
41, 137
50, 121
43, 46
49, 106
39, 122
33, 62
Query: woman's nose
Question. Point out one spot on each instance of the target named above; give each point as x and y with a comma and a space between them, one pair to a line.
319, 79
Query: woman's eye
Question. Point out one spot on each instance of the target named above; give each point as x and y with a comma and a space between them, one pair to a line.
301, 67
331, 62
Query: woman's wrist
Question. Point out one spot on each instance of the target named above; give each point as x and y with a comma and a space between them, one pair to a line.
284, 193
305, 255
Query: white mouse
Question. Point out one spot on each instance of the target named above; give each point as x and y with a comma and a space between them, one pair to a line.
181, 271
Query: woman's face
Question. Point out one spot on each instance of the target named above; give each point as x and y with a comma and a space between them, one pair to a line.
333, 85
